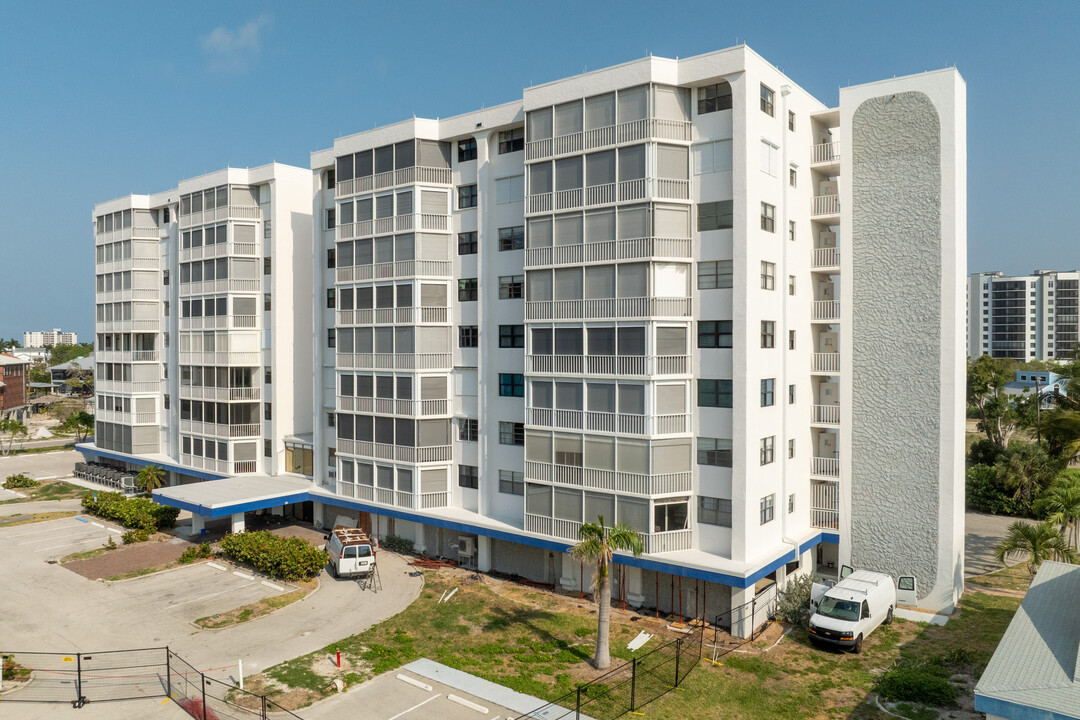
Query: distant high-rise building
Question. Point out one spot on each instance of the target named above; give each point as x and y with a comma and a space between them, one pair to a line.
1024, 317
48, 338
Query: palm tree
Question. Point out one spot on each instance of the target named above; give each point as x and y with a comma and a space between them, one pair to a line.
13, 428
1060, 504
596, 543
1061, 429
1039, 542
150, 478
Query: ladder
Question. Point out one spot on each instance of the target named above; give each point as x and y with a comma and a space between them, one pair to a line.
371, 581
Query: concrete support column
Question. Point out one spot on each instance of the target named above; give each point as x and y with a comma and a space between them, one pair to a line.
483, 553
575, 574
781, 577
237, 524
198, 524
633, 586
742, 620
317, 515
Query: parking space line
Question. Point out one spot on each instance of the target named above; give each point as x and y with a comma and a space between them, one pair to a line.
47, 477
216, 566
240, 574
58, 537
69, 544
207, 597
40, 532
97, 525
467, 703
406, 712
271, 585
115, 530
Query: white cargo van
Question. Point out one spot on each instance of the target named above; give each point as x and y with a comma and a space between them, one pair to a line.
847, 612
351, 551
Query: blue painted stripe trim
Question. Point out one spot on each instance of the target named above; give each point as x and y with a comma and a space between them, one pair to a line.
82, 519
1016, 711
233, 508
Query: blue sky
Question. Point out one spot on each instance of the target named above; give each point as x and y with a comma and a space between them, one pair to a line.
98, 100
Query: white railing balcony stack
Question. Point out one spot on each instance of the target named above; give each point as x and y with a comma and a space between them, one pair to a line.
826, 153
825, 414
825, 467
825, 205
826, 257
823, 310
825, 363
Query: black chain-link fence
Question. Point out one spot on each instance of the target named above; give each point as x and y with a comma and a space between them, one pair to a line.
630, 686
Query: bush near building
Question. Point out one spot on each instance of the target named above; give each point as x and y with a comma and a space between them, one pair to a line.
20, 481
141, 515
284, 558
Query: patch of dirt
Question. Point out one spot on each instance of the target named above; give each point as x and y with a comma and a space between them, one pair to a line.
160, 549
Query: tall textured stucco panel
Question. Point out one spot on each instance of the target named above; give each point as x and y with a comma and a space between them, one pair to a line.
896, 317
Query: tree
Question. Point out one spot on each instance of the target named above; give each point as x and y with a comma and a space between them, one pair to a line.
61, 354
79, 422
597, 543
1060, 504
13, 429
997, 411
39, 373
80, 381
1061, 430
1026, 469
150, 478
1039, 543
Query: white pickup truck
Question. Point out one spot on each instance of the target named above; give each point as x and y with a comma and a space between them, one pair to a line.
847, 612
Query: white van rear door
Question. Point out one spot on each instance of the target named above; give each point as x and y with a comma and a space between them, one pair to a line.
348, 559
817, 591
906, 591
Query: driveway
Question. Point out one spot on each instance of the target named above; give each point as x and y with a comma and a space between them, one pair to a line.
52, 464
982, 533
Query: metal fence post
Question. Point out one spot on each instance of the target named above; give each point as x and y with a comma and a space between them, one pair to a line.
168, 674
577, 706
678, 653
203, 676
78, 681
263, 707
633, 682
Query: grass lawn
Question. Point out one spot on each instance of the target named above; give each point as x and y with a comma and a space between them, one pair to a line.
1015, 577
48, 490
17, 519
538, 643
257, 609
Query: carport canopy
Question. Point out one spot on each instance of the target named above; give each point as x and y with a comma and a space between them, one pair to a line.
233, 495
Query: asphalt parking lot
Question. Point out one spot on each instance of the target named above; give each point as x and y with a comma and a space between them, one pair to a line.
57, 538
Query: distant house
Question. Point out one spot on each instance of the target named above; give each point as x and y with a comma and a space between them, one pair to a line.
1028, 382
1033, 673
30, 354
12, 385
73, 368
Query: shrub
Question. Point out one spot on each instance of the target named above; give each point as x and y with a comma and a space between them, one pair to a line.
136, 536
20, 481
793, 604
284, 558
135, 513
986, 493
393, 543
927, 684
198, 552
983, 452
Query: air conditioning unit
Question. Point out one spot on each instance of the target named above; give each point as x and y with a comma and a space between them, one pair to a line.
465, 546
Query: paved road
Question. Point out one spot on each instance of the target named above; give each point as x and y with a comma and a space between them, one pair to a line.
982, 533
58, 463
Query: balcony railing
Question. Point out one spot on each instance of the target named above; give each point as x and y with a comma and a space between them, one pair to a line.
127, 294
398, 453
825, 258
625, 190
221, 429
825, 205
624, 423
608, 308
825, 310
232, 212
612, 480
643, 365
671, 541
396, 361
397, 498
393, 316
404, 176
127, 325
247, 359
220, 322
220, 250
224, 394
825, 414
825, 505
825, 363
392, 406
825, 153
633, 131
825, 467
399, 269
127, 387
625, 249
224, 285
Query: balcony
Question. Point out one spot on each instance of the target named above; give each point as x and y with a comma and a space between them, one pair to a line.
223, 467
611, 135
827, 363
825, 206
131, 263
825, 259
232, 212
398, 223
825, 154
825, 505
608, 422
399, 269
594, 195
608, 308
225, 285
393, 316
659, 542
392, 406
825, 467
220, 250
243, 359
825, 311
609, 250
247, 430
127, 294
396, 361
127, 387
222, 394
404, 176
612, 480
220, 322
397, 453
125, 326
639, 365
825, 414
395, 498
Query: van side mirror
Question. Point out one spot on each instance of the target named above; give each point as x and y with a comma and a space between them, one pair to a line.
325, 537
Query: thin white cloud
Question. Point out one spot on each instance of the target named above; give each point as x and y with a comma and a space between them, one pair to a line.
233, 51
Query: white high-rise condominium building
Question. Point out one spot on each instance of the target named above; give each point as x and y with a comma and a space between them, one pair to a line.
662, 293
1024, 317
48, 338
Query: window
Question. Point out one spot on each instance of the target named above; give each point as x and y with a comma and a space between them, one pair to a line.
331, 258
716, 215
768, 275
164, 277
511, 287
768, 330
331, 338
790, 339
791, 230
712, 157
511, 140
714, 511
713, 98
767, 96
791, 120
266, 302
511, 238
268, 411
790, 284
511, 385
331, 219
331, 298
767, 508
165, 215
511, 482
714, 393
268, 448
791, 448
266, 266
466, 197
768, 449
466, 290
510, 189
466, 150
511, 336
511, 433
714, 451
466, 243
792, 177
770, 158
767, 394
468, 336
791, 394
267, 376
468, 476
331, 419
714, 334
468, 429
768, 217
715, 274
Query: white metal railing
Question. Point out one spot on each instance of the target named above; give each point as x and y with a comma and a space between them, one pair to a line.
825, 310
600, 194
396, 361
670, 189
825, 258
542, 202
206, 252
538, 524
627, 132
398, 453
224, 285
393, 316
671, 541
825, 362
400, 269
146, 418
632, 189
826, 414
219, 466
566, 529
825, 467
826, 153
630, 424
607, 308
624, 249
825, 205
567, 199
433, 500
235, 212
144, 356
825, 519
253, 358
609, 364
612, 480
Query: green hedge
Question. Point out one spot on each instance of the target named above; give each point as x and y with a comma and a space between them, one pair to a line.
284, 558
926, 684
986, 493
136, 513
